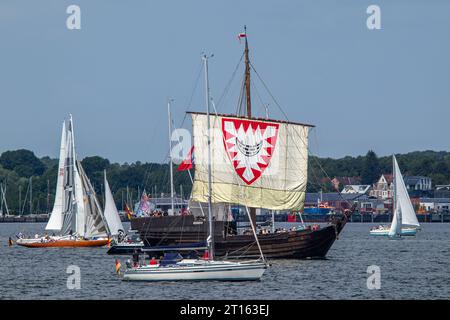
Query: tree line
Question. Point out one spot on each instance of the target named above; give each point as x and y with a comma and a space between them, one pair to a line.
128, 181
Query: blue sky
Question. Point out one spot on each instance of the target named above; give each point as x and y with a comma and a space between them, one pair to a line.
387, 90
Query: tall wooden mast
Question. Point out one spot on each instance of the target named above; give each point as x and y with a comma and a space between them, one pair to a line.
247, 77
249, 105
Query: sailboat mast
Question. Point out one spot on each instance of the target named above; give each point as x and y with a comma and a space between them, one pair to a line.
31, 195
247, 77
393, 180
211, 231
394, 199
170, 156
249, 105
73, 164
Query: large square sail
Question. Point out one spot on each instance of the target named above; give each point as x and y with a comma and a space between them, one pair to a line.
255, 163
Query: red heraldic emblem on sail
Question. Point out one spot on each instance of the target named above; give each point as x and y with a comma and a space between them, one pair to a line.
250, 145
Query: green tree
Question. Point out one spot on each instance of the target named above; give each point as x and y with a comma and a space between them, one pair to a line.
371, 170
23, 162
94, 164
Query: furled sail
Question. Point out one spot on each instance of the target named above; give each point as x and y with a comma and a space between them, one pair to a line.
408, 216
256, 163
56, 217
111, 214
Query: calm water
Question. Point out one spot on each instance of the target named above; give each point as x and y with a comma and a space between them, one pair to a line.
416, 268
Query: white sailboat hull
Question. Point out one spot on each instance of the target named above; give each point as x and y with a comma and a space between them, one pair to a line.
406, 231
193, 270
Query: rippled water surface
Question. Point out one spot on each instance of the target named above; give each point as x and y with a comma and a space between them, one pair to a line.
413, 268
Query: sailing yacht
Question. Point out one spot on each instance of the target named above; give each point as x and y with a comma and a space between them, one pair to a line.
404, 221
119, 239
76, 217
111, 214
178, 268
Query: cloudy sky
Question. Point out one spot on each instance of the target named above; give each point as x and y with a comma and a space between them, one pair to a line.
387, 90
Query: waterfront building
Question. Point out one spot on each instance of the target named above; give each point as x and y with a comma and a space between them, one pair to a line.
383, 188
442, 191
356, 189
418, 183
437, 205
338, 182
339, 202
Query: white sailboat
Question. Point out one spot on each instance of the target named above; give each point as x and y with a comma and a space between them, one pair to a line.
207, 268
119, 239
404, 221
111, 214
76, 216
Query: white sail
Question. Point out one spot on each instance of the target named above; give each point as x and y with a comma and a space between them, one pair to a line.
408, 215
256, 163
111, 213
80, 209
56, 218
395, 225
94, 221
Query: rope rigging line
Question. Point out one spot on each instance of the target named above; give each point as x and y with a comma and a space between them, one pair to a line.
189, 102
228, 86
285, 115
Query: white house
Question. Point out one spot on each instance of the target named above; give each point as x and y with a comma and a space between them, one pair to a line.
384, 188
356, 189
418, 183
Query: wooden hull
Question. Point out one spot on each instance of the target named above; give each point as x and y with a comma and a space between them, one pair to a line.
65, 243
286, 245
299, 244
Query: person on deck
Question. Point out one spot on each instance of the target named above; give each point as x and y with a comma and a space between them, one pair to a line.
135, 258
153, 261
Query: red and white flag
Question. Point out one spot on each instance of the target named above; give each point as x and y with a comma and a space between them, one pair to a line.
241, 35
187, 163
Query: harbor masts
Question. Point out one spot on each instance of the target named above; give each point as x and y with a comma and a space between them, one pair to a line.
3, 202
31, 195
170, 157
48, 196
210, 216
20, 200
